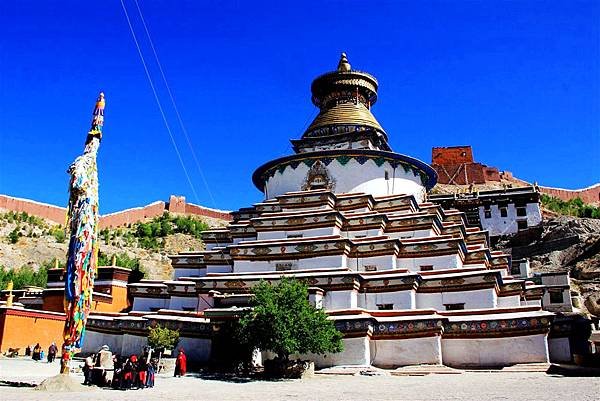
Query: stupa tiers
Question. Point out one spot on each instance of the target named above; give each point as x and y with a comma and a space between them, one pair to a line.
406, 281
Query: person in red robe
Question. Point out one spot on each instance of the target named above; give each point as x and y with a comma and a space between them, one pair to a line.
181, 364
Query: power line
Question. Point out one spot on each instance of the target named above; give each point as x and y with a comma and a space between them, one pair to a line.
181, 124
137, 45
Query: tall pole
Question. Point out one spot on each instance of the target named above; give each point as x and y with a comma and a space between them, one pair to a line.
82, 227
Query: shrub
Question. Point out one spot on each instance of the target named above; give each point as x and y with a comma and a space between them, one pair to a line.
14, 235
572, 207
162, 338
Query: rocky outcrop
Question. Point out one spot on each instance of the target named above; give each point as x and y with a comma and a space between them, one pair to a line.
566, 243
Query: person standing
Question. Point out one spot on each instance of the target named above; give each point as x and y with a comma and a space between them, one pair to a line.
181, 364
37, 350
52, 350
88, 368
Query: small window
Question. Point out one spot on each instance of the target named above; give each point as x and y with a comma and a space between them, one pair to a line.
370, 268
360, 236
426, 268
503, 211
295, 236
188, 309
283, 266
487, 214
387, 175
521, 224
457, 306
521, 211
385, 306
556, 297
154, 309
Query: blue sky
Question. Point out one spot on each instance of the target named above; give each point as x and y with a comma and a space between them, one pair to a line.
518, 80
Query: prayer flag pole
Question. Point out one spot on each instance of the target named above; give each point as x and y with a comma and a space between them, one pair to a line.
82, 228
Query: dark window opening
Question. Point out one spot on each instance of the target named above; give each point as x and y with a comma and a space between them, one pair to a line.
487, 214
370, 268
295, 235
457, 306
154, 309
521, 211
503, 212
426, 268
556, 297
521, 224
385, 306
387, 175
283, 266
188, 309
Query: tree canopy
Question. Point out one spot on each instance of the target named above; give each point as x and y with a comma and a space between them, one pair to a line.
284, 322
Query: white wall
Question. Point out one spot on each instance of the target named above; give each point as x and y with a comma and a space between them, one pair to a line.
319, 262
412, 234
145, 304
392, 353
438, 262
133, 344
476, 299
374, 232
95, 340
498, 225
311, 232
512, 300
185, 272
352, 177
384, 262
218, 269
196, 349
178, 303
400, 299
356, 352
494, 351
340, 300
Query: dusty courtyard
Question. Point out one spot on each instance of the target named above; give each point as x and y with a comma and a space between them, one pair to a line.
467, 386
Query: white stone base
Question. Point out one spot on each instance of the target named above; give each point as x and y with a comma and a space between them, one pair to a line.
393, 353
196, 349
356, 352
491, 352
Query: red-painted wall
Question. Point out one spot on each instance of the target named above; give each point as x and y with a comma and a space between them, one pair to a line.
177, 204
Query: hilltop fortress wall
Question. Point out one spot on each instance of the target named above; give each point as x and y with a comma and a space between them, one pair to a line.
176, 204
455, 165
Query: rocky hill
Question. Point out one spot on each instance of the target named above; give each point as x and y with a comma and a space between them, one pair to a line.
566, 243
27, 240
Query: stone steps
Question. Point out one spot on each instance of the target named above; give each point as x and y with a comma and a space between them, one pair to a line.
422, 370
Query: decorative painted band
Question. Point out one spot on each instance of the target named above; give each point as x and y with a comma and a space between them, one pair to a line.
343, 156
500, 327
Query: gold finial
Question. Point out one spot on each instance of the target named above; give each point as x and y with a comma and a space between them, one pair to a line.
344, 65
98, 116
114, 260
56, 263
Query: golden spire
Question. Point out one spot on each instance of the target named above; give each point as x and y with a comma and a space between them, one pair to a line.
344, 65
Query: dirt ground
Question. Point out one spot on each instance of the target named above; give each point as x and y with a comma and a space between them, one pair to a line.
466, 386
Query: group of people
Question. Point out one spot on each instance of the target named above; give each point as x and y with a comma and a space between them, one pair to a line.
134, 372
37, 353
120, 372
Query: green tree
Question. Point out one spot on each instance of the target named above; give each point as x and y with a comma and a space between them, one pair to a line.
284, 322
162, 338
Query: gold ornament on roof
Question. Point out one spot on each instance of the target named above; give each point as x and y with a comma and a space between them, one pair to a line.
344, 65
